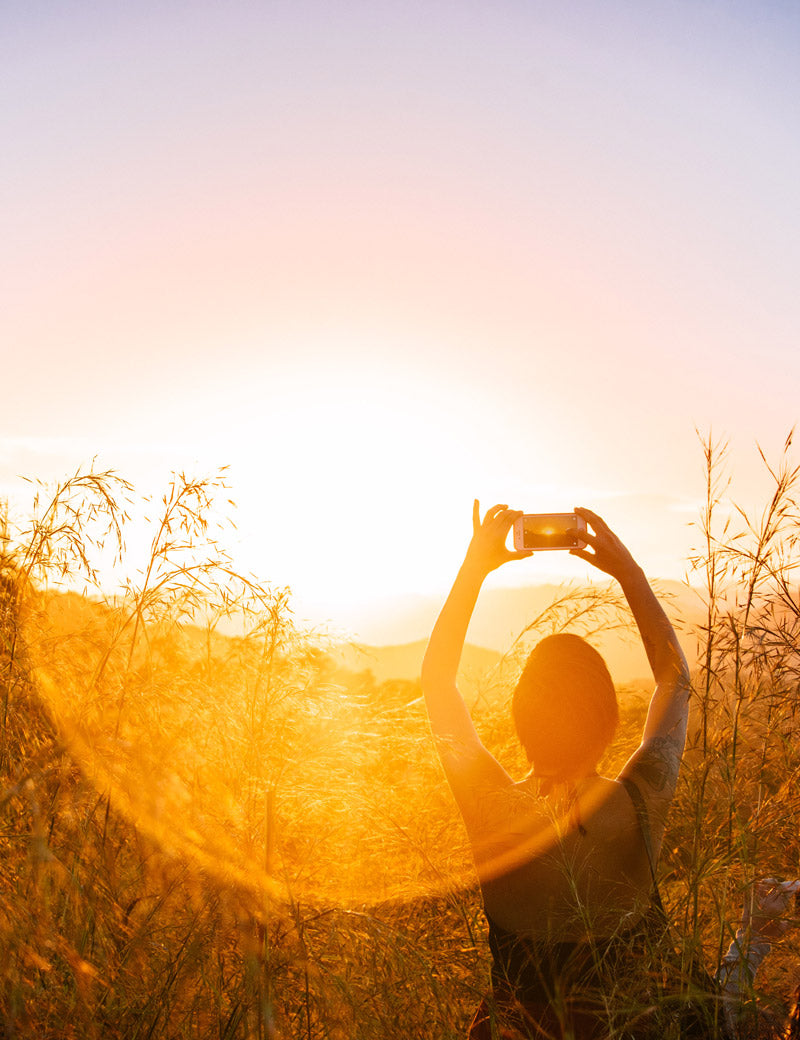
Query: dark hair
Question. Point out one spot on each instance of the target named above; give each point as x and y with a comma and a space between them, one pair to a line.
564, 706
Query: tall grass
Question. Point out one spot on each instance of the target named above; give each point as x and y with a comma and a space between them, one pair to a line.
209, 828
737, 810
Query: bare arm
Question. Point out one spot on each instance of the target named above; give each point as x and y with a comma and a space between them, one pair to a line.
468, 765
654, 765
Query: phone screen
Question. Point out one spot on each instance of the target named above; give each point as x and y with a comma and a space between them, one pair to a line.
548, 531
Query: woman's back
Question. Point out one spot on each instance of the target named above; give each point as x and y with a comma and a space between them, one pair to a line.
565, 866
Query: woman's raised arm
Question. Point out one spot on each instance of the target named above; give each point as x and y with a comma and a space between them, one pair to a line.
459, 747
654, 765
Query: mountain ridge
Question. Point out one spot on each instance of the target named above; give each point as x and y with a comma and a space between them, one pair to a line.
503, 613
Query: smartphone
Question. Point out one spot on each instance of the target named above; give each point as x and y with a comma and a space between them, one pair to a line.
548, 531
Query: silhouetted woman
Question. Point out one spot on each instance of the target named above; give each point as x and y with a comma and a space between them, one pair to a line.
562, 855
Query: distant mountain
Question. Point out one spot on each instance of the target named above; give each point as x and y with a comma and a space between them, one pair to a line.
405, 661
394, 636
500, 616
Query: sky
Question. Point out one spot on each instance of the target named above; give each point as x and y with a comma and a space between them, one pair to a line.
381, 258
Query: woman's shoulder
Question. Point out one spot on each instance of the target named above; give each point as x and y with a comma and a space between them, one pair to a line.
594, 794
595, 811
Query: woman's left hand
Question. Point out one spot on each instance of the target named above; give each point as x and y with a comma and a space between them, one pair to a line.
488, 550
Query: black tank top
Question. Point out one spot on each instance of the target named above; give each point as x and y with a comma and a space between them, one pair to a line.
546, 984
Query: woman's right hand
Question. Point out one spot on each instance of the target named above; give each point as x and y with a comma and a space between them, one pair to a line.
609, 553
771, 909
488, 550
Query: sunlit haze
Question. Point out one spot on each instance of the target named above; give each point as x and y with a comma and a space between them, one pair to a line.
383, 258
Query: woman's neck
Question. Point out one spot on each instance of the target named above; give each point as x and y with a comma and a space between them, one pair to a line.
559, 786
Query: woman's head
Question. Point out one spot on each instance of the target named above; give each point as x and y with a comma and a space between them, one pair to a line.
565, 707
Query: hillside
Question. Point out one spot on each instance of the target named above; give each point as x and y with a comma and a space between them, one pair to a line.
391, 641
404, 661
499, 618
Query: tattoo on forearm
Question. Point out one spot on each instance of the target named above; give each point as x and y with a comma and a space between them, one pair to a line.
659, 764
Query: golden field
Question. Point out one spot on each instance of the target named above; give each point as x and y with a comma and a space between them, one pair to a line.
215, 825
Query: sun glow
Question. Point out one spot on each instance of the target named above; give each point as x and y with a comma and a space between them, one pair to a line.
343, 480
